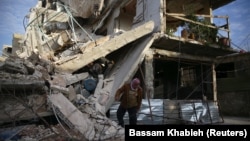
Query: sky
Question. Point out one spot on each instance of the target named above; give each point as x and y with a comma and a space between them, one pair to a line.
13, 12
239, 20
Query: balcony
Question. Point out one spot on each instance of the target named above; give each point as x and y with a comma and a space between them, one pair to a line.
198, 28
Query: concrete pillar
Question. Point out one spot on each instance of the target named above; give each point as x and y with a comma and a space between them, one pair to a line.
149, 73
214, 83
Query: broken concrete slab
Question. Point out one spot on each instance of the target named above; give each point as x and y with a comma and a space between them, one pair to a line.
87, 124
113, 44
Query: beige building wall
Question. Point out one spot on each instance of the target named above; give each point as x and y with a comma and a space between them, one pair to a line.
16, 43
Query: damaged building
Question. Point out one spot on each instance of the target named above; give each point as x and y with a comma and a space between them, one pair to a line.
63, 73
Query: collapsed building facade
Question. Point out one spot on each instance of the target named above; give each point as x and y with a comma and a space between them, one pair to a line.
76, 54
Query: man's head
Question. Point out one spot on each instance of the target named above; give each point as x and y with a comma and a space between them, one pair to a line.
135, 83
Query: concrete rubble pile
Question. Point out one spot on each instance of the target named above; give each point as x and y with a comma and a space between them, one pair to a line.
60, 67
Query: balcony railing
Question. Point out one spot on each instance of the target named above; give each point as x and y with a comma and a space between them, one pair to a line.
208, 24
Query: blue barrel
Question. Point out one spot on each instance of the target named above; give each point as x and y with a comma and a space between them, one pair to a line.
90, 84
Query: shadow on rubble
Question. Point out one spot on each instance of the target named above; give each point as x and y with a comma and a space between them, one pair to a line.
43, 129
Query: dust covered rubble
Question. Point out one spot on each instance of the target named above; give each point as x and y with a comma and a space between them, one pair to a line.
31, 70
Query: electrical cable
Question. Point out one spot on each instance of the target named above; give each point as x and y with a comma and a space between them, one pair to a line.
69, 13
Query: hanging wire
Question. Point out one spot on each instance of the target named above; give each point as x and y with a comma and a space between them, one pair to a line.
233, 43
237, 46
25, 18
73, 19
71, 24
35, 19
100, 23
244, 39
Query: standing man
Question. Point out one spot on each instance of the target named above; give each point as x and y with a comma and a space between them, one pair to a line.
130, 97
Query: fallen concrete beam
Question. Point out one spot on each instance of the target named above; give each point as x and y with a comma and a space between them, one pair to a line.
113, 44
74, 118
88, 46
124, 71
